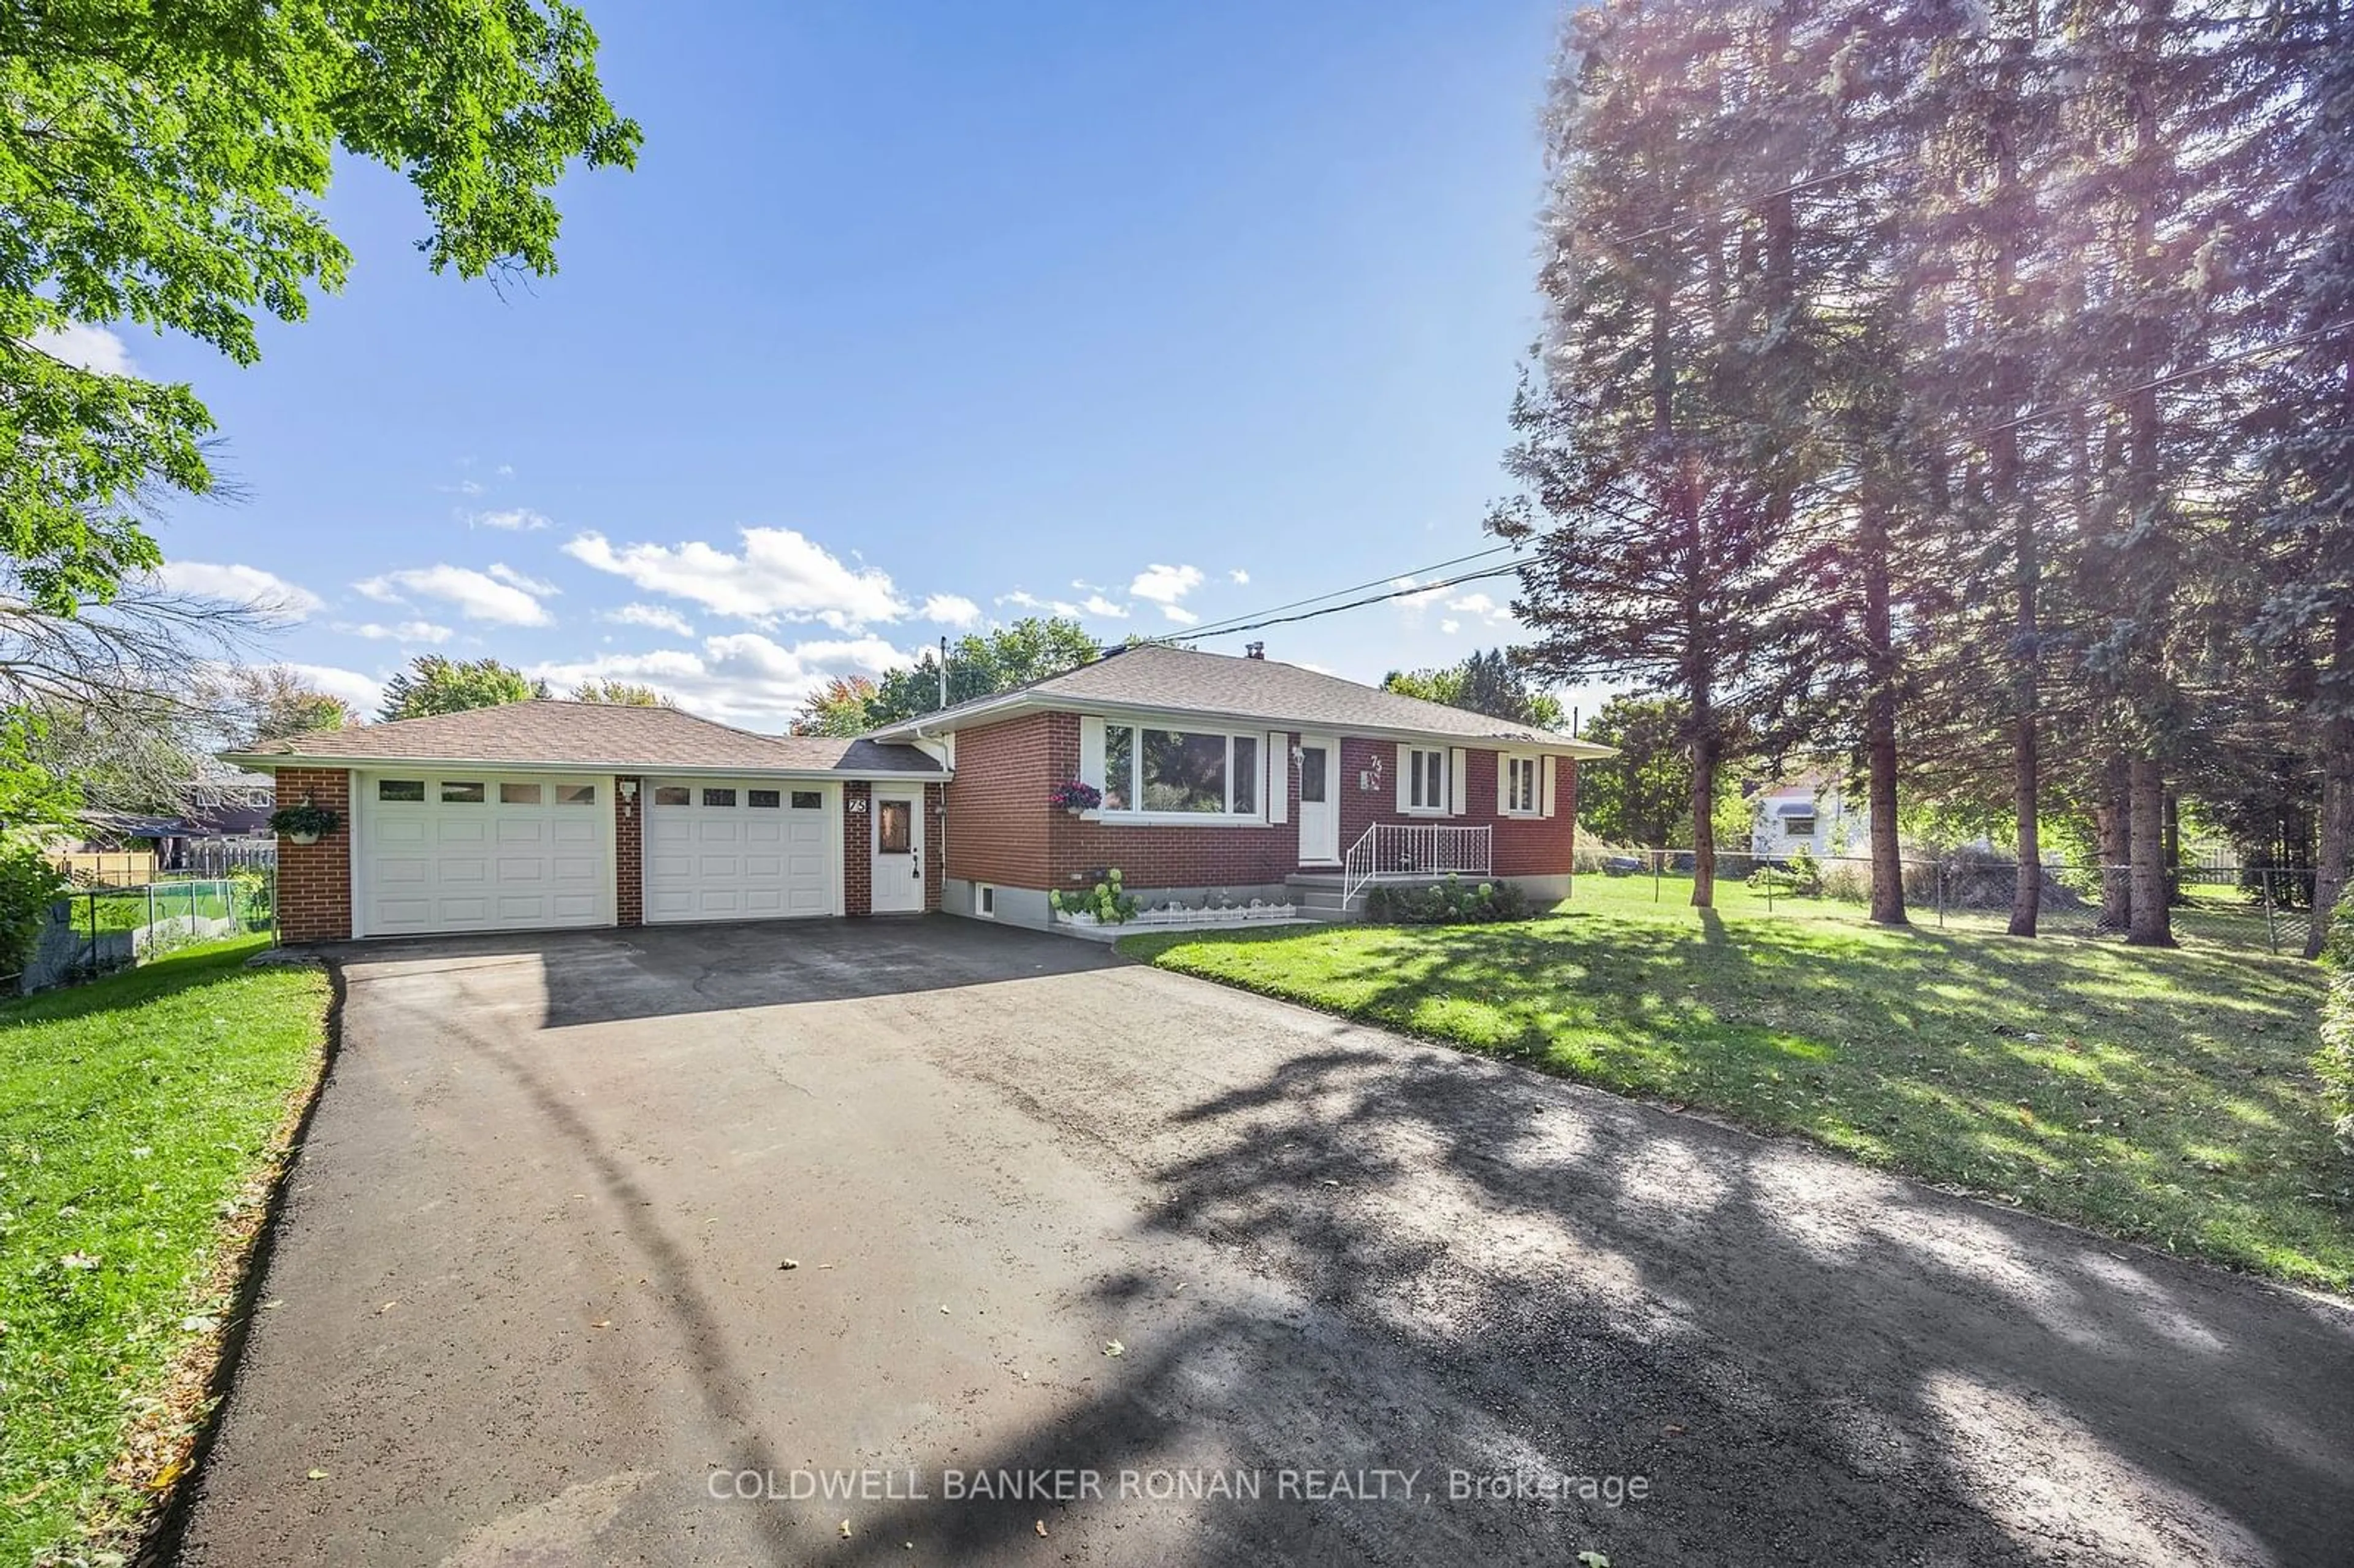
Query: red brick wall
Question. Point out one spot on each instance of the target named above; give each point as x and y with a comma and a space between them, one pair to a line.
998, 814
857, 849
1524, 846
629, 851
1007, 833
315, 881
1168, 856
935, 843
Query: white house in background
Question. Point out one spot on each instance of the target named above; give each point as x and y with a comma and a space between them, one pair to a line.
1810, 812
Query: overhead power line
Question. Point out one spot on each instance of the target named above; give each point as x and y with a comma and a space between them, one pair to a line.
1218, 627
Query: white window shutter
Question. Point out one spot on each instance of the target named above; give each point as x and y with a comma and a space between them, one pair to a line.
1547, 796
1091, 751
1404, 777
1458, 781
1279, 777
1503, 783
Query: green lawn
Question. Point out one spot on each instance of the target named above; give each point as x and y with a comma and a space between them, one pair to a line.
140, 1117
2167, 1097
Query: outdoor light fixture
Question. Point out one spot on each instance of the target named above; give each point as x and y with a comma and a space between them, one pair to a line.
628, 789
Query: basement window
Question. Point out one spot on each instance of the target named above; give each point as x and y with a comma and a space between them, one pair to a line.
984, 901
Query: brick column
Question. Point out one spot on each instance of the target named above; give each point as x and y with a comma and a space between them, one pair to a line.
629, 851
857, 849
315, 881
936, 844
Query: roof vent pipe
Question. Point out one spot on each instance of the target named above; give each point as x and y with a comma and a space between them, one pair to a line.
1254, 649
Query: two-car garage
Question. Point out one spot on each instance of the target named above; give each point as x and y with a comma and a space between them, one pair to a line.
543, 814
487, 852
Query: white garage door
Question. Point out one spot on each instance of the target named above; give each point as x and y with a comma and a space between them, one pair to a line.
722, 850
477, 852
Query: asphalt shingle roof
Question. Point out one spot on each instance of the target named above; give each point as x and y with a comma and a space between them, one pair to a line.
550, 733
1154, 675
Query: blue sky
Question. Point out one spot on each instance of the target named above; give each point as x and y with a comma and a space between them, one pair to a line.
912, 318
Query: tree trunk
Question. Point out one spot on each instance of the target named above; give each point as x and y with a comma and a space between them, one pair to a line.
2336, 783
2151, 924
1880, 722
2027, 895
2112, 824
1703, 804
2337, 830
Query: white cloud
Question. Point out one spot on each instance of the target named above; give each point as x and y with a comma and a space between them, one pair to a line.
1094, 604
743, 678
537, 586
1485, 607
1182, 617
249, 586
91, 347
950, 609
1450, 626
406, 631
476, 595
364, 692
780, 576
513, 519
660, 617
1238, 576
1165, 585
507, 470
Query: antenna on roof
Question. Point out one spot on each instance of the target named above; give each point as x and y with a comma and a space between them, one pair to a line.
944, 669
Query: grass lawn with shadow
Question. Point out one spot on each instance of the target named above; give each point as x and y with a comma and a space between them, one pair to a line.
2166, 1096
141, 1119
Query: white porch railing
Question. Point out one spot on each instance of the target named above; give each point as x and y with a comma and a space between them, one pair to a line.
1412, 851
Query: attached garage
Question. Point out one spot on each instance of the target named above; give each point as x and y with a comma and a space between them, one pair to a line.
481, 852
741, 849
543, 814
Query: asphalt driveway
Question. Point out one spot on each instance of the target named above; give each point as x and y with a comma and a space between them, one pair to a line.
529, 1303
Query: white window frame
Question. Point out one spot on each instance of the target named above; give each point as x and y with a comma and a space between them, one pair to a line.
1522, 791
1095, 749
1425, 766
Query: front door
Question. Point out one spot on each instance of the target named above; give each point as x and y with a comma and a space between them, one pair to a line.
1320, 800
898, 854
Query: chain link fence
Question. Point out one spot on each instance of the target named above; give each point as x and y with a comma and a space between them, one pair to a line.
2258, 908
96, 930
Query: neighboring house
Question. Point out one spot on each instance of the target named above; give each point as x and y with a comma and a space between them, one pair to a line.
1808, 812
1218, 773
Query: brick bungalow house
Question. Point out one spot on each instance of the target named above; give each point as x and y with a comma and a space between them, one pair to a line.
1219, 775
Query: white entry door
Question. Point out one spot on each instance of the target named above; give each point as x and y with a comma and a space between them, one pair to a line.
1320, 800
898, 851
476, 851
738, 849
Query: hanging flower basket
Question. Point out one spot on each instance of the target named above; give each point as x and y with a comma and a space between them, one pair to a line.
1076, 796
303, 825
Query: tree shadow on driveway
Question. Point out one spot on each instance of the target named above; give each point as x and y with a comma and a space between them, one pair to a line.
1472, 1267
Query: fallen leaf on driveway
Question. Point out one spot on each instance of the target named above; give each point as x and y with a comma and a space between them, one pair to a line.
846, 1530
1675, 1429
1114, 1349
1041, 1527
602, 1323
387, 1306
790, 1263
317, 1475
1594, 1560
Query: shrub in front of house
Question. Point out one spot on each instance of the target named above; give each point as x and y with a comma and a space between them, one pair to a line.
1450, 901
